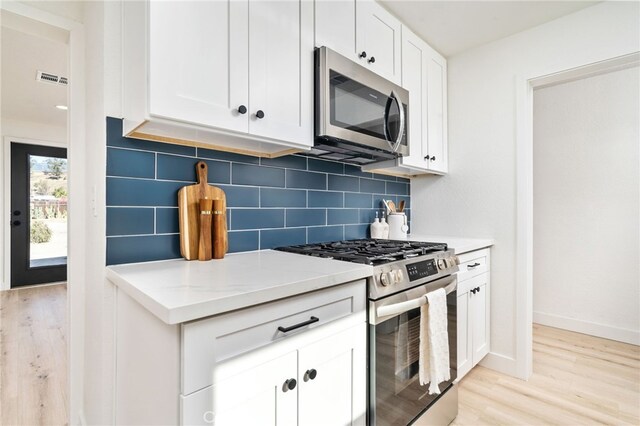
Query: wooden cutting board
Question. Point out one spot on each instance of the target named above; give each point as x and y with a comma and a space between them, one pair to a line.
189, 212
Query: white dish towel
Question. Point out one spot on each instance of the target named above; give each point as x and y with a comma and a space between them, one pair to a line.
434, 341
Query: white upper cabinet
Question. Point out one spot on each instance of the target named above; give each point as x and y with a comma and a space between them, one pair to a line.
235, 74
363, 31
281, 70
336, 26
424, 75
437, 112
378, 40
198, 62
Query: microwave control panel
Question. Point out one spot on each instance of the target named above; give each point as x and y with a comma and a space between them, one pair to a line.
422, 269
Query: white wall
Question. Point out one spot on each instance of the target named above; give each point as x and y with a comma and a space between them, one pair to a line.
478, 196
30, 130
586, 228
103, 83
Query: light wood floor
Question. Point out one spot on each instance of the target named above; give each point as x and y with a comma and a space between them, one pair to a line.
33, 363
577, 380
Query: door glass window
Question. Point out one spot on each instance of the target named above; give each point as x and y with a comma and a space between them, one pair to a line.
48, 200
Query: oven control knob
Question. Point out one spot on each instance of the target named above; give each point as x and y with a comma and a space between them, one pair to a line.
442, 264
398, 276
385, 278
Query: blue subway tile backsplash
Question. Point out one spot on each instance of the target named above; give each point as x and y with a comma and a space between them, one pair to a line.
271, 202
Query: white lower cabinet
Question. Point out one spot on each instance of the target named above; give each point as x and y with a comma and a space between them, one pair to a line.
294, 361
473, 309
295, 382
337, 393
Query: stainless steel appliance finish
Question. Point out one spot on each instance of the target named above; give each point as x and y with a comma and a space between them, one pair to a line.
395, 394
360, 117
403, 273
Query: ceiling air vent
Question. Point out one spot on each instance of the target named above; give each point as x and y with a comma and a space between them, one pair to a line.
45, 77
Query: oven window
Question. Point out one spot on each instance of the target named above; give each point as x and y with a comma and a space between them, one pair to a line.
356, 107
397, 396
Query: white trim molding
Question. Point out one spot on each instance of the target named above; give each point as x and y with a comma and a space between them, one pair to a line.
76, 155
524, 210
587, 327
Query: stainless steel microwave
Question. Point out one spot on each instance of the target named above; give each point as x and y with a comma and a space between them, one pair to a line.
360, 117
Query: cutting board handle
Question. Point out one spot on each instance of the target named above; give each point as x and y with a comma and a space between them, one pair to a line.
202, 170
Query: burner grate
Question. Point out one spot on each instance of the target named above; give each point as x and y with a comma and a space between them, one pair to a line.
367, 251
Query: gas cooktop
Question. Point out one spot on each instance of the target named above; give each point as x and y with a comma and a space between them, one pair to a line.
367, 251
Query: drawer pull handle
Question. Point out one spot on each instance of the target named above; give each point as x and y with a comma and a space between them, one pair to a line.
296, 326
473, 266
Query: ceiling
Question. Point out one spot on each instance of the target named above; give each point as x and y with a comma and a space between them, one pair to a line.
452, 27
28, 46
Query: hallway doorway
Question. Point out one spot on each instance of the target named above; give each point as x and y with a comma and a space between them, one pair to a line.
39, 199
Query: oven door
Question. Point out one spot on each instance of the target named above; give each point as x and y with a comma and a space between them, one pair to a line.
395, 394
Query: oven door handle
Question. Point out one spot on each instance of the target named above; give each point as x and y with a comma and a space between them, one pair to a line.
402, 307
395, 144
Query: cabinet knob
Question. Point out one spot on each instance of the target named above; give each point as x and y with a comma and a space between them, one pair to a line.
427, 158
242, 109
16, 223
310, 374
16, 212
477, 289
260, 114
433, 158
372, 59
363, 54
289, 384
473, 291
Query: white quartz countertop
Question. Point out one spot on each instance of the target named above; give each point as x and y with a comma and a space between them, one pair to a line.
458, 244
178, 290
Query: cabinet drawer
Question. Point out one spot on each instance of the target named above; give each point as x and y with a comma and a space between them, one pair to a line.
209, 341
473, 264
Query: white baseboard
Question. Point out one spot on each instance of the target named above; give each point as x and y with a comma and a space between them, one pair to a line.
586, 327
500, 363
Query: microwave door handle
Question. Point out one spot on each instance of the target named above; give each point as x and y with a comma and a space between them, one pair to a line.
394, 144
402, 307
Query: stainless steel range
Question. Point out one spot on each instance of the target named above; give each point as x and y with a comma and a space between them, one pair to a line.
404, 272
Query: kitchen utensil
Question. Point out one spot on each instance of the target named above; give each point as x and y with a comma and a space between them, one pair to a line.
204, 244
189, 212
401, 206
392, 206
386, 205
219, 229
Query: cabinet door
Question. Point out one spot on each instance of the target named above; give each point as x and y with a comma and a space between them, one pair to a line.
336, 26
378, 34
337, 394
437, 112
281, 70
414, 79
465, 355
198, 62
480, 321
251, 392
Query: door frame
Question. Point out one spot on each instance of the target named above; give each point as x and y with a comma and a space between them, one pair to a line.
76, 155
524, 194
5, 156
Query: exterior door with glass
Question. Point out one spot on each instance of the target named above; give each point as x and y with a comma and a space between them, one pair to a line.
39, 190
